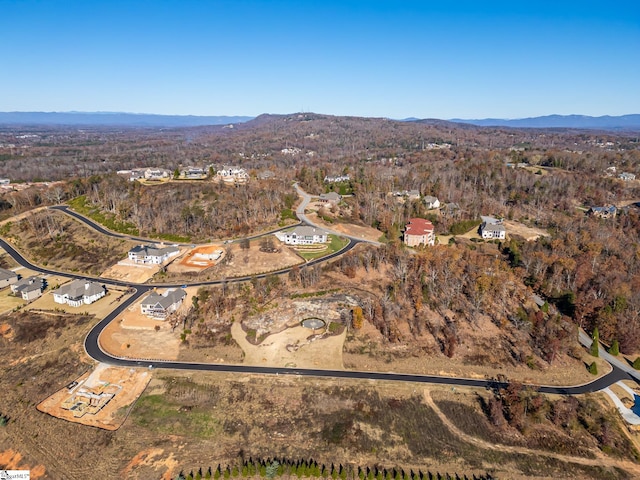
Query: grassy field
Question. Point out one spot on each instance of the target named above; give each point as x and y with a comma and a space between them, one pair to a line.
337, 243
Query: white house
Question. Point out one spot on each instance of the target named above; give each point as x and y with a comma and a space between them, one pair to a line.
156, 173
161, 306
232, 175
337, 178
152, 254
303, 236
431, 202
79, 292
492, 228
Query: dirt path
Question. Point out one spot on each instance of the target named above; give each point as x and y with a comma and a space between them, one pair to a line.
599, 461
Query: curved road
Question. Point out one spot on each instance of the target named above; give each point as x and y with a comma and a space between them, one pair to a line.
94, 350
99, 228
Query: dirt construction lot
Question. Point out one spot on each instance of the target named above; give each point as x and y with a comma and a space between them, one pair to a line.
126, 383
130, 272
528, 233
241, 262
293, 347
199, 258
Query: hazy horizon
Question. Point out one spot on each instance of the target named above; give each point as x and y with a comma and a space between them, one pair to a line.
360, 58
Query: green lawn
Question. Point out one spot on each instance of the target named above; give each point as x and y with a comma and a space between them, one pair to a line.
337, 243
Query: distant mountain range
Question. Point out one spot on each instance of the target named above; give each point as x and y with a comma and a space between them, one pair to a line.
113, 119
622, 122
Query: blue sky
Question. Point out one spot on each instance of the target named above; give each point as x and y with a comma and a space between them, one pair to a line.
397, 59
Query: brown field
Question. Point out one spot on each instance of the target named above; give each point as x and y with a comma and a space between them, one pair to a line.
187, 420
126, 383
71, 247
130, 273
520, 230
238, 263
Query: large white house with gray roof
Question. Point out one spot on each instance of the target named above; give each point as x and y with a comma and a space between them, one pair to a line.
79, 292
492, 228
303, 235
160, 306
152, 254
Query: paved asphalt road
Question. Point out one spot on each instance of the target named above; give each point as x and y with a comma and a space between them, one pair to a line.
620, 363
93, 349
306, 199
99, 228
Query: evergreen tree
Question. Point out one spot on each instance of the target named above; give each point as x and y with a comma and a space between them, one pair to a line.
593, 368
272, 469
615, 348
636, 363
595, 349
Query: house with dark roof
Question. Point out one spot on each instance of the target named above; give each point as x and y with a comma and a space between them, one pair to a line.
161, 306
79, 292
603, 212
7, 277
152, 254
29, 288
331, 198
419, 231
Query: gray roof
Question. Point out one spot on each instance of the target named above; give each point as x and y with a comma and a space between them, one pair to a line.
165, 300
30, 287
28, 284
79, 288
306, 231
430, 199
490, 220
7, 274
152, 251
493, 227
330, 196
